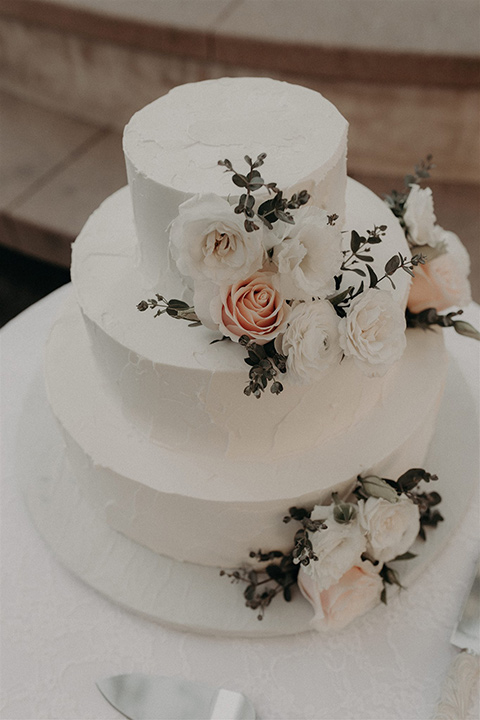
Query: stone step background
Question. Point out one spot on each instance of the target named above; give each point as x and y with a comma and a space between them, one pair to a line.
73, 71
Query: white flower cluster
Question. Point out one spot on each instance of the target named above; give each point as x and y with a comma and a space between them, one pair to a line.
443, 281
340, 585
275, 284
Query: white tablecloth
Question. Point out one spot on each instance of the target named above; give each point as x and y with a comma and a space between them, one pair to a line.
59, 636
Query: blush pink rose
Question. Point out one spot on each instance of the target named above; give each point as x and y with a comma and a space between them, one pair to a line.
357, 592
252, 307
443, 281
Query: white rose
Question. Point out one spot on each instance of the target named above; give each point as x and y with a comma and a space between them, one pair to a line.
309, 256
208, 241
373, 333
357, 592
338, 548
391, 528
310, 341
419, 217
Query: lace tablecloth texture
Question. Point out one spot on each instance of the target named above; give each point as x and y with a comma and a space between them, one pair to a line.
59, 636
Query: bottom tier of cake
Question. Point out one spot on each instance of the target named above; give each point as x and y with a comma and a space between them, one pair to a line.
212, 511
181, 594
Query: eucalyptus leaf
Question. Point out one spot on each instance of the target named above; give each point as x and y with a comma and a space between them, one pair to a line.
286, 217
255, 183
336, 299
373, 276
405, 556
464, 328
355, 241
266, 207
178, 304
392, 265
376, 487
274, 572
240, 180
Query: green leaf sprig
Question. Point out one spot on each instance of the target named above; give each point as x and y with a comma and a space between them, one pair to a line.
265, 364
271, 210
429, 317
359, 252
279, 573
176, 309
396, 201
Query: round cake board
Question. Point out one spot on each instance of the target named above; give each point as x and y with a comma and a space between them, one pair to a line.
193, 597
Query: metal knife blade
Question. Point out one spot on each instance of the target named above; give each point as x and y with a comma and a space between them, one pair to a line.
467, 633
151, 697
458, 687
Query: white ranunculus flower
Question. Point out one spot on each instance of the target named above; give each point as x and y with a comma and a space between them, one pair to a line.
373, 333
208, 241
311, 341
391, 528
419, 217
338, 548
309, 255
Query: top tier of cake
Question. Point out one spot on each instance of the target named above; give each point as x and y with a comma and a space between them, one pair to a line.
172, 148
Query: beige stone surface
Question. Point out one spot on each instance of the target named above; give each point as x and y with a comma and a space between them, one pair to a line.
191, 14
426, 26
390, 126
32, 146
63, 205
98, 81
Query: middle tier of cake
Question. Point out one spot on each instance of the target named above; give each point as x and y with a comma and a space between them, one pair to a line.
183, 391
161, 436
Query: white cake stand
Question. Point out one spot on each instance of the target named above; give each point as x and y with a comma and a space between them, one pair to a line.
196, 598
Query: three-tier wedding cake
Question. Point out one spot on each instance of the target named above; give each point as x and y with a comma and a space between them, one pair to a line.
298, 375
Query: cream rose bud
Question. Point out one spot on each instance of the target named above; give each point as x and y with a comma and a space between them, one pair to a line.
443, 281
311, 341
208, 241
419, 217
308, 256
252, 307
373, 333
355, 593
338, 548
391, 528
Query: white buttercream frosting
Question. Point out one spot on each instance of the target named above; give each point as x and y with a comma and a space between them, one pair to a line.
186, 393
158, 430
173, 145
209, 509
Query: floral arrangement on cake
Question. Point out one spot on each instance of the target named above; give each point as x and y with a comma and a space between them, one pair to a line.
441, 280
269, 273
341, 554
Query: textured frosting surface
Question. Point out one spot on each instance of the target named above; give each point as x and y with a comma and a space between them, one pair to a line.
158, 430
173, 145
212, 511
185, 393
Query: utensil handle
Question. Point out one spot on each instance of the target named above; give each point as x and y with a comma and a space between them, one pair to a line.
457, 691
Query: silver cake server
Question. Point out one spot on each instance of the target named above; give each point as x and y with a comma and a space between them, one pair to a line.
464, 673
466, 635
153, 697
